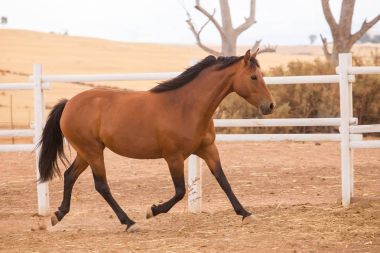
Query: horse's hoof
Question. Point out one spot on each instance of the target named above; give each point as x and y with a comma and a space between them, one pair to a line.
54, 220
251, 219
149, 212
133, 229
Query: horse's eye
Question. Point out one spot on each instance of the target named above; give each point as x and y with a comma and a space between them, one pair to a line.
254, 77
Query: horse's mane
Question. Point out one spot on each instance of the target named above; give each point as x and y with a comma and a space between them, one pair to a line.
193, 71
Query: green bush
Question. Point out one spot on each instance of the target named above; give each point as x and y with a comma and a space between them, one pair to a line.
309, 101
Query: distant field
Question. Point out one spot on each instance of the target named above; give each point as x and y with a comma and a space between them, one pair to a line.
73, 55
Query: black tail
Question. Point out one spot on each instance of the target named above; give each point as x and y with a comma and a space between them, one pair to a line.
52, 145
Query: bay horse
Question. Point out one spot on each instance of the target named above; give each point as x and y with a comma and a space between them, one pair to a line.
171, 121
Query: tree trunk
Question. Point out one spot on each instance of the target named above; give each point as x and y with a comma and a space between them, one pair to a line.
229, 45
343, 40
228, 38
340, 46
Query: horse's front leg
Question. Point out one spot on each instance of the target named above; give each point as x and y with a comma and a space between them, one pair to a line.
211, 156
176, 168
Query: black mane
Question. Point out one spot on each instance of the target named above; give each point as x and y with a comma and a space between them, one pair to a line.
193, 71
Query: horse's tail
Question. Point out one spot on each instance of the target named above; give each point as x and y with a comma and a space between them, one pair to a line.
52, 145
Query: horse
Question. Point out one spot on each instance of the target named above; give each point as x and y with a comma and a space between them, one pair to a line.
171, 121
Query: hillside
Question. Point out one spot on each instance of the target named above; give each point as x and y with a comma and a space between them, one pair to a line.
66, 54
79, 55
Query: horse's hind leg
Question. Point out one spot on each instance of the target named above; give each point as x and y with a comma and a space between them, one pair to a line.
101, 185
176, 168
70, 176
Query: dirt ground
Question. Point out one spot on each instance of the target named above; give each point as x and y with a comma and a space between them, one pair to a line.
292, 188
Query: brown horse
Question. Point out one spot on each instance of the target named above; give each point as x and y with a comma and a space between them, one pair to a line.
171, 121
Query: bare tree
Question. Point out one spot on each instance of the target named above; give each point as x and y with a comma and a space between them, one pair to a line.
312, 38
4, 20
343, 40
228, 33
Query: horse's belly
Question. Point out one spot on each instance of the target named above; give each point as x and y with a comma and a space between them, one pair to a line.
138, 153
135, 147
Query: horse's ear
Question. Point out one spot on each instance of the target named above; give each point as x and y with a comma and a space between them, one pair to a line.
255, 53
247, 56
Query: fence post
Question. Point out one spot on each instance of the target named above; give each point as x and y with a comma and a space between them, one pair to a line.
194, 184
351, 115
39, 108
194, 177
345, 61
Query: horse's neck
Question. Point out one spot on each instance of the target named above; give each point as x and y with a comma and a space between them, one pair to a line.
206, 92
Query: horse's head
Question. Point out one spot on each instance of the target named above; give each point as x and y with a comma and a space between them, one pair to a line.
249, 84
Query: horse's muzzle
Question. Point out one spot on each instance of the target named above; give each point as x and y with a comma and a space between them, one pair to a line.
267, 108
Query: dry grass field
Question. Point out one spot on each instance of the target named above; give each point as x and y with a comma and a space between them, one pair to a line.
293, 188
60, 54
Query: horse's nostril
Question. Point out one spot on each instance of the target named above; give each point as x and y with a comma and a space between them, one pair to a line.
267, 108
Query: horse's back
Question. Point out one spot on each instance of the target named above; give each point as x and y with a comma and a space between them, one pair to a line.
86, 107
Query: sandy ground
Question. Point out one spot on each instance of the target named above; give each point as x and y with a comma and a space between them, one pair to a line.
292, 188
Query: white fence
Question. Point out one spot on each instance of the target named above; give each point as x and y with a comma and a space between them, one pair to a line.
39, 108
350, 135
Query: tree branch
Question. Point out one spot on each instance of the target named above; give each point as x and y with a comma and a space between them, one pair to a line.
325, 47
255, 46
198, 37
268, 49
209, 16
208, 21
329, 16
365, 27
248, 21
